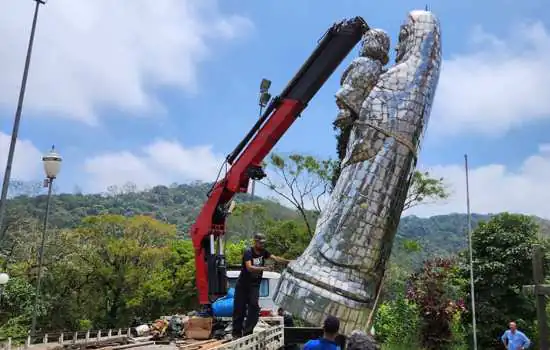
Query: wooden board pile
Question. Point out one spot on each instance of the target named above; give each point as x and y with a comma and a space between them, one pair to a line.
199, 345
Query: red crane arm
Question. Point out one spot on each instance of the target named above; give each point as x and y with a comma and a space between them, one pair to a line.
247, 157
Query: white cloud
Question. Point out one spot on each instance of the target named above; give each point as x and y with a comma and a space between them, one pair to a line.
495, 188
501, 84
90, 55
161, 162
27, 160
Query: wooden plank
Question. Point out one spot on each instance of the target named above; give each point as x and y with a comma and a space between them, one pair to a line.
211, 345
194, 345
133, 345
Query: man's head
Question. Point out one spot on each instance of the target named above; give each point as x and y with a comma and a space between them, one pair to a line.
280, 311
259, 241
513, 326
331, 326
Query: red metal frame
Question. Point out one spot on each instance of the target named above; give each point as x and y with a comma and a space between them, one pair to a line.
236, 181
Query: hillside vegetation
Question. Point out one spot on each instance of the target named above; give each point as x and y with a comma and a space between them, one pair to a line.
111, 258
179, 204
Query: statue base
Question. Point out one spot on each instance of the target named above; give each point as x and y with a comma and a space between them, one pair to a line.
313, 303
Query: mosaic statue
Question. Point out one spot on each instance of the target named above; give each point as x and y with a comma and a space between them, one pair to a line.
341, 271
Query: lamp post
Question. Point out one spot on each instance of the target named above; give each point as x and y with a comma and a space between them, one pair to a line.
52, 165
263, 99
17, 120
4, 278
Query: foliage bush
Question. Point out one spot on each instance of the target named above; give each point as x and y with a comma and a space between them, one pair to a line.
84, 325
502, 250
459, 339
397, 323
15, 328
432, 291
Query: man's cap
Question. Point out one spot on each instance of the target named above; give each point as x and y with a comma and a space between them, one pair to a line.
260, 237
331, 325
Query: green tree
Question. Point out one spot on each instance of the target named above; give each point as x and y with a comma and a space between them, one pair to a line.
425, 189
16, 216
287, 238
67, 283
502, 265
127, 261
17, 305
246, 219
399, 269
181, 265
234, 251
303, 181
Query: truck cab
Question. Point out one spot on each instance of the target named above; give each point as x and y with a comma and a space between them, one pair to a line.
267, 290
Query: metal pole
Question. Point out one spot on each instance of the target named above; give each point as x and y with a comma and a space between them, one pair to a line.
472, 288
17, 121
41, 258
253, 185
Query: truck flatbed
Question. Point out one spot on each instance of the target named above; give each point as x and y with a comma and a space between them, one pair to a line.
271, 338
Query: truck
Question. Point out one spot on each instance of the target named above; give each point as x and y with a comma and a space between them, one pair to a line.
268, 285
244, 164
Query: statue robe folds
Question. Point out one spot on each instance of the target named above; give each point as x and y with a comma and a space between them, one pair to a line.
341, 271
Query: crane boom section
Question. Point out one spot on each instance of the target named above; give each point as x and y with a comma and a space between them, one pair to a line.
247, 157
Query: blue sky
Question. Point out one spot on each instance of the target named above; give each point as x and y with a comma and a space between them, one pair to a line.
158, 92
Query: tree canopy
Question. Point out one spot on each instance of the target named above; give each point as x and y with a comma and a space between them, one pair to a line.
501, 250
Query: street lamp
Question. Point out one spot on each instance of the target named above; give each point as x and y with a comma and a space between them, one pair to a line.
263, 99
17, 120
4, 278
52, 166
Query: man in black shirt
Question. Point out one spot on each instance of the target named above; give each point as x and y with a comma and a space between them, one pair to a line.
247, 289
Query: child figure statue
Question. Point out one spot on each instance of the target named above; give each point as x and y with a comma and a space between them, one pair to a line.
361, 76
356, 83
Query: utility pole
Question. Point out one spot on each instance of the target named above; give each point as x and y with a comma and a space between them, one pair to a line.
472, 286
17, 120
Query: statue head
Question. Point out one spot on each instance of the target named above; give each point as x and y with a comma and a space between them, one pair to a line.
418, 36
375, 44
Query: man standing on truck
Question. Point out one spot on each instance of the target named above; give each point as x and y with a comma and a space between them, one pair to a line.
247, 289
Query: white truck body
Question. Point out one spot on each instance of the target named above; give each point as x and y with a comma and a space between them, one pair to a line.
267, 288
